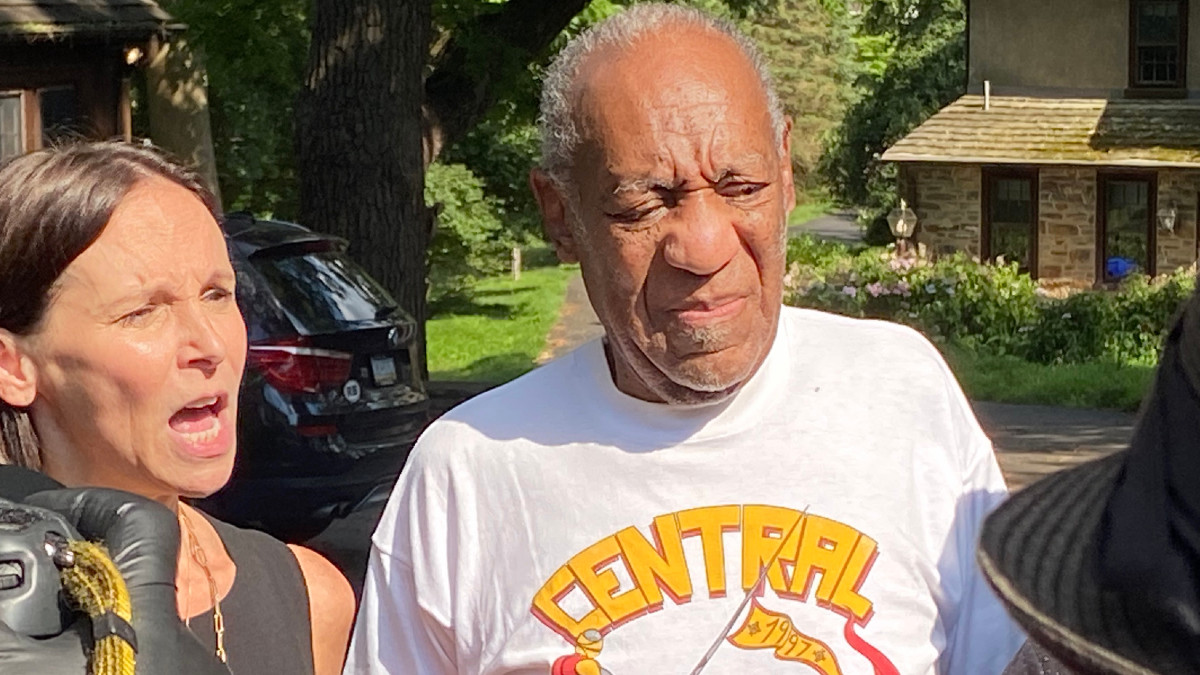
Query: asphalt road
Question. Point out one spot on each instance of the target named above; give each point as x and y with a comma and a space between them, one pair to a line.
347, 542
838, 226
1032, 441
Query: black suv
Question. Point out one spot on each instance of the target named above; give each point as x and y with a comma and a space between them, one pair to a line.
330, 403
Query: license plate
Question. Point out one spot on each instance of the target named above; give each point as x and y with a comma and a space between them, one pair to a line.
383, 370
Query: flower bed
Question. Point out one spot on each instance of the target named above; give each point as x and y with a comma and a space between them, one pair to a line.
987, 308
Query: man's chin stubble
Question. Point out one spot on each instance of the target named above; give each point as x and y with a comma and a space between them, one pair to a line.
692, 391
702, 339
693, 383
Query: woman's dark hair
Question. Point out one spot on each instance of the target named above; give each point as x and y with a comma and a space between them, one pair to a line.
54, 203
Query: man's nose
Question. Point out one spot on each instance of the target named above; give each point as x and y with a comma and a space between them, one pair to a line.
702, 237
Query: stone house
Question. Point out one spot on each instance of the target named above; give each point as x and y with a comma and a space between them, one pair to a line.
1076, 149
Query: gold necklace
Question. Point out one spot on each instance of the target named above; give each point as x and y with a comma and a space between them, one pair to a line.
197, 554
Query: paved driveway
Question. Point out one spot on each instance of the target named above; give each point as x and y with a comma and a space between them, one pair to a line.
839, 226
1032, 441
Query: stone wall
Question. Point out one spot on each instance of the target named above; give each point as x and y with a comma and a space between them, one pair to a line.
1179, 188
947, 201
946, 198
1067, 223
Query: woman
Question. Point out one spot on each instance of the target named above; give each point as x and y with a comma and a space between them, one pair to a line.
121, 351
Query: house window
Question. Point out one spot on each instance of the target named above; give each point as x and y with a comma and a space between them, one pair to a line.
60, 114
1158, 44
1010, 217
1126, 232
12, 125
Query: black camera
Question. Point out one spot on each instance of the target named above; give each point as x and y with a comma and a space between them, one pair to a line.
33, 551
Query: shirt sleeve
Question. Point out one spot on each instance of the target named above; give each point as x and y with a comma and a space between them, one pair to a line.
393, 632
981, 638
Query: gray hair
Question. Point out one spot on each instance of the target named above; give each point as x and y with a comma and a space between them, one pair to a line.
556, 121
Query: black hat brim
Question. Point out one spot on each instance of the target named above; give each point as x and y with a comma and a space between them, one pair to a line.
1037, 550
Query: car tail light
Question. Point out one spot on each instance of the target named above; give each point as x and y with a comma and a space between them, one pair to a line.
293, 366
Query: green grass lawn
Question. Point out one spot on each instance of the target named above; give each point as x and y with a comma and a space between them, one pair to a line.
1008, 379
809, 206
496, 333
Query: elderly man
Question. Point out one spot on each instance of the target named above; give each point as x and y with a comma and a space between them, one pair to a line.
719, 485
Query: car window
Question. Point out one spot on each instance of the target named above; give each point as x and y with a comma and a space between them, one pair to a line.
323, 292
264, 318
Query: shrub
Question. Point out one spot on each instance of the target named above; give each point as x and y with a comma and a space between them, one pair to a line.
1142, 313
1122, 326
1071, 330
991, 309
471, 239
951, 299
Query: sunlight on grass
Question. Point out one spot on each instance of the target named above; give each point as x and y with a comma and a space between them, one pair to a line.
809, 206
496, 333
1008, 379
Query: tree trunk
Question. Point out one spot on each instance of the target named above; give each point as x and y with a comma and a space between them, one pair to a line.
359, 139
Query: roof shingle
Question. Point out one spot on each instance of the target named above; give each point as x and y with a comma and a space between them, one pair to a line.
31, 19
1017, 130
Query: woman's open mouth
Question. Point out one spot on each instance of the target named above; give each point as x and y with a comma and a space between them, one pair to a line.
200, 427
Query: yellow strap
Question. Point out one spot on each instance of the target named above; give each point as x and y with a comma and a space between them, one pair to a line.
96, 587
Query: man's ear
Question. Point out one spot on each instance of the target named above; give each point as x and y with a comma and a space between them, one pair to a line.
552, 203
18, 377
785, 156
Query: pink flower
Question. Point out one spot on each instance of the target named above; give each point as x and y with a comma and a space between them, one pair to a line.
875, 289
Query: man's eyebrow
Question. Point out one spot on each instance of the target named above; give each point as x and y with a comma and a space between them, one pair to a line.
745, 166
740, 169
643, 184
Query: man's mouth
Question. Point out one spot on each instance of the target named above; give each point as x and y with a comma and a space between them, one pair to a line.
705, 312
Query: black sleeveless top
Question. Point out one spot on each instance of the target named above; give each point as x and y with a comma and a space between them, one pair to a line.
267, 629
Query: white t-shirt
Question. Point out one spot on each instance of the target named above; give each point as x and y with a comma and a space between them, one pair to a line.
556, 510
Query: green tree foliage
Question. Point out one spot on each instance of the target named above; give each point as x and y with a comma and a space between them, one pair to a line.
255, 52
809, 46
500, 152
924, 44
471, 237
